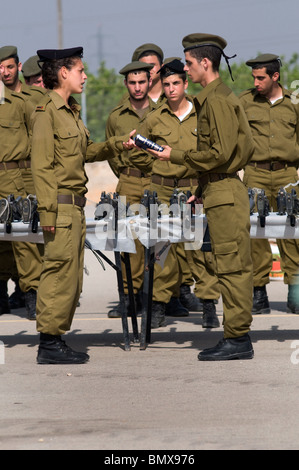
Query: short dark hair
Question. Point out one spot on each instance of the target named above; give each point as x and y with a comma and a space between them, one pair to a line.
212, 53
50, 70
271, 67
166, 72
147, 53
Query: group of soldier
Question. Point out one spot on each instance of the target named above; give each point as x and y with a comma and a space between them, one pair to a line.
207, 141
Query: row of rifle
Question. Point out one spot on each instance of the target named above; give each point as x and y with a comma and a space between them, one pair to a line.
287, 204
19, 210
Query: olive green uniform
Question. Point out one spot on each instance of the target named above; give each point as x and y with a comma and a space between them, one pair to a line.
275, 130
60, 147
14, 132
180, 267
132, 182
224, 146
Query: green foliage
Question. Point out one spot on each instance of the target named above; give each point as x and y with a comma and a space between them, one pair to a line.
105, 90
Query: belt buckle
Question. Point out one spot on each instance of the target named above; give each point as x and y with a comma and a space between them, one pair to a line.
176, 182
272, 166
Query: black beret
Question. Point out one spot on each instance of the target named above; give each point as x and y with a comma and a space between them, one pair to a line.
135, 66
262, 59
174, 65
56, 54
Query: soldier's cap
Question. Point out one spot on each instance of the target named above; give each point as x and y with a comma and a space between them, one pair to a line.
170, 59
31, 67
147, 48
56, 54
195, 40
263, 59
174, 65
135, 66
8, 51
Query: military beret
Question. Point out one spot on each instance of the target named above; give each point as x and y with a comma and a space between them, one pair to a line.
170, 59
174, 65
135, 66
30, 68
192, 41
147, 48
262, 59
8, 51
56, 54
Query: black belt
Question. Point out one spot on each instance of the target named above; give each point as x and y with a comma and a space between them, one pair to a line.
174, 182
134, 172
9, 165
71, 199
212, 177
272, 166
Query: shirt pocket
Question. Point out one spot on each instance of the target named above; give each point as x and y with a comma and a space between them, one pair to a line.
258, 123
67, 141
164, 135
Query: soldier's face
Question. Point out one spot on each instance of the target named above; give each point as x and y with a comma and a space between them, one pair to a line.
137, 85
174, 88
10, 71
193, 68
263, 82
153, 59
76, 77
36, 80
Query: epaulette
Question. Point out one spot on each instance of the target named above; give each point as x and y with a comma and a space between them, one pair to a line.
250, 91
41, 106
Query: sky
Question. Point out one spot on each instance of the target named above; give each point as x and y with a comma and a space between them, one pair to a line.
110, 30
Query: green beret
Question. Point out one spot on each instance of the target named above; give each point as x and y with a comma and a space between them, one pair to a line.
174, 65
147, 48
8, 51
262, 59
30, 68
56, 54
192, 41
170, 59
135, 66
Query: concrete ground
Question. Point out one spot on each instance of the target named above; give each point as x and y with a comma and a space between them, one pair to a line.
160, 398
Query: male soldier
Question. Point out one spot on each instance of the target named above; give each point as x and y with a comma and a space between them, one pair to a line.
132, 182
224, 146
274, 122
32, 72
174, 123
29, 255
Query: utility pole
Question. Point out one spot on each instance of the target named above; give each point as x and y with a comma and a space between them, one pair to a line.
60, 26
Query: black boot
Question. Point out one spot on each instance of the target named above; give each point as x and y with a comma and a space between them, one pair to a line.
228, 349
209, 318
260, 301
189, 300
17, 298
115, 312
53, 350
293, 298
174, 308
158, 314
30, 304
4, 303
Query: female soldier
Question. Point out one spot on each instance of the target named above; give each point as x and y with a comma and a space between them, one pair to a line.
60, 147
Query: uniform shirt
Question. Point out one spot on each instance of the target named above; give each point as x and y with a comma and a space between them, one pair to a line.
60, 147
14, 138
224, 143
122, 120
275, 127
164, 128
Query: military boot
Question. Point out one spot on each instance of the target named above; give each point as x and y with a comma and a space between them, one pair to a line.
209, 318
17, 298
229, 349
260, 301
4, 303
53, 350
189, 300
293, 298
30, 304
158, 314
174, 308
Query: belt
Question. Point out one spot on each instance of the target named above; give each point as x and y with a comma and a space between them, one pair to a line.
71, 199
272, 166
212, 177
9, 165
134, 172
24, 164
174, 182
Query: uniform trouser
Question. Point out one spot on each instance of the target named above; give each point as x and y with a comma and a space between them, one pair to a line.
133, 189
183, 266
26, 255
226, 205
62, 274
262, 258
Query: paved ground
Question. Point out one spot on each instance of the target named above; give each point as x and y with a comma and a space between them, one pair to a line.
162, 398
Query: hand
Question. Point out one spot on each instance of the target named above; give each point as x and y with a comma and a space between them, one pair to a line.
47, 228
130, 143
195, 200
163, 156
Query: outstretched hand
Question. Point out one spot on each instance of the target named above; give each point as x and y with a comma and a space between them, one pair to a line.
130, 143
